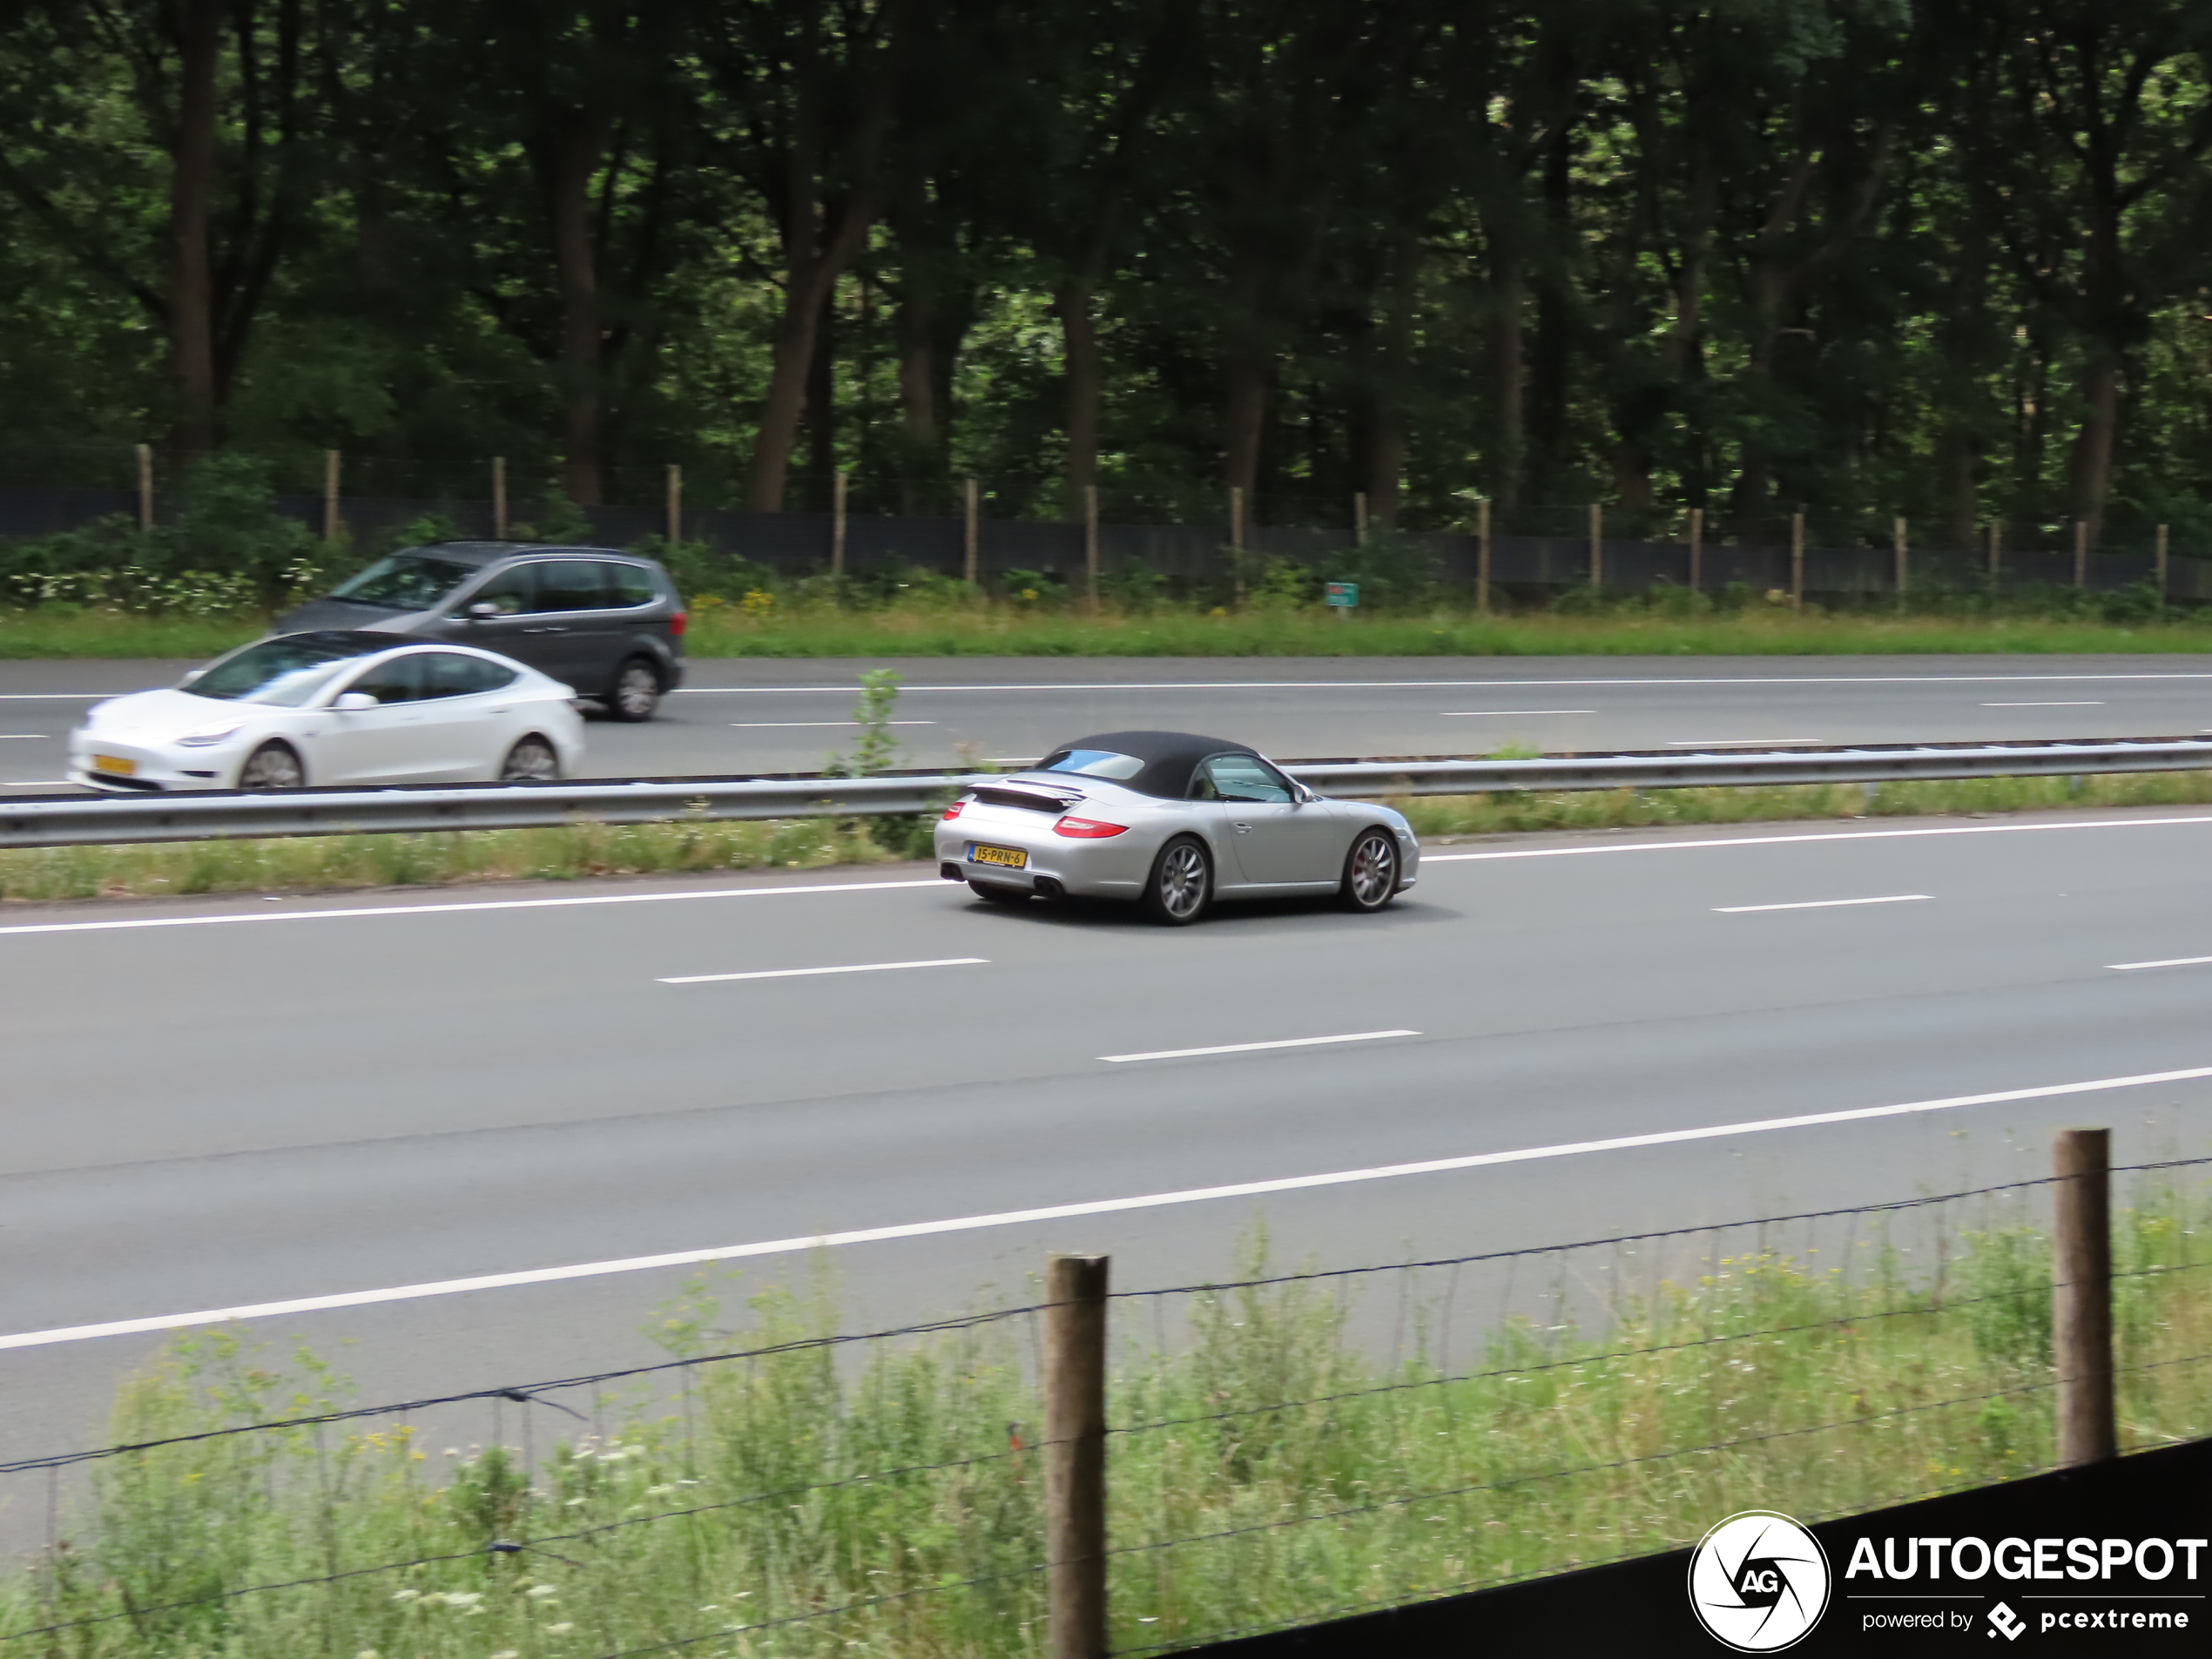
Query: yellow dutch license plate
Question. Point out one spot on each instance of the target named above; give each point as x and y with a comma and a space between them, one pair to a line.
1013, 857
115, 764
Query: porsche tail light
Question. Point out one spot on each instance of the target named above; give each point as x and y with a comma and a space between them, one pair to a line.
1087, 829
952, 811
676, 623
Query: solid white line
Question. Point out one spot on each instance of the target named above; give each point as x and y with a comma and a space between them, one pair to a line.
1428, 857
1338, 685
2177, 961
1471, 714
455, 909
1252, 1048
1067, 1212
1743, 742
39, 783
807, 973
763, 725
2042, 705
22, 736
57, 696
1817, 904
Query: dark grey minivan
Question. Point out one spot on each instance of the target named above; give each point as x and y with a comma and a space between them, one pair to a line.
609, 625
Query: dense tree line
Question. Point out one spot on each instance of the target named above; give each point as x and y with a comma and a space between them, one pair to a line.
1942, 258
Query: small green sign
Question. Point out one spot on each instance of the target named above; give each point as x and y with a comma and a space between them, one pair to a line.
1343, 593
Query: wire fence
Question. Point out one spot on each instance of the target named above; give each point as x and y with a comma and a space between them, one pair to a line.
1283, 1446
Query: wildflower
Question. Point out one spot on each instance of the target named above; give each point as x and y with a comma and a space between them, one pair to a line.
539, 1592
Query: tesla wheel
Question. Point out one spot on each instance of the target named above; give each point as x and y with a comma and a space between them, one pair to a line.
636, 691
1370, 870
530, 761
273, 765
1181, 884
992, 892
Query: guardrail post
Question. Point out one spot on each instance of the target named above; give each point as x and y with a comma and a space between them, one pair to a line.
2082, 1295
1075, 1450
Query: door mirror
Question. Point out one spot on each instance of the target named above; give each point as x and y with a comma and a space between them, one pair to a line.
355, 703
483, 610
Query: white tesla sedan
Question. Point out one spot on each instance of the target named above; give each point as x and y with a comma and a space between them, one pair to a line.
333, 707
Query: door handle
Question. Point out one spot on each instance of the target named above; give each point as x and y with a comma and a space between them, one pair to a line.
1243, 829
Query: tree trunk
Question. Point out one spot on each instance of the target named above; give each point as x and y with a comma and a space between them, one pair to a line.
920, 431
1957, 461
2092, 458
820, 412
1391, 365
1507, 377
191, 293
1086, 381
1244, 419
576, 147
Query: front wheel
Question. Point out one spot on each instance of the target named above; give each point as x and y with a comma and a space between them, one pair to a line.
1370, 872
273, 765
637, 692
530, 761
1181, 887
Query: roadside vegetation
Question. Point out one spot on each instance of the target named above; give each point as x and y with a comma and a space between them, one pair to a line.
821, 1500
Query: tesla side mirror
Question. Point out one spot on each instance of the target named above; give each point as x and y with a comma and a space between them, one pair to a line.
482, 610
355, 703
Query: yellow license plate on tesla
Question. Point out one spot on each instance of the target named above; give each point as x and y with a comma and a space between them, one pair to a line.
115, 764
1013, 857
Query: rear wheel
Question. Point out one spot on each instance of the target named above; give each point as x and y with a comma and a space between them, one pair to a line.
636, 691
273, 765
530, 761
992, 892
1181, 887
1370, 870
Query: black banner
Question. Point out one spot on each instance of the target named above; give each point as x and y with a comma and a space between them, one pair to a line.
2113, 1558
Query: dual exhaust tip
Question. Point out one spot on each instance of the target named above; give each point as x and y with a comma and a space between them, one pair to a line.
1045, 886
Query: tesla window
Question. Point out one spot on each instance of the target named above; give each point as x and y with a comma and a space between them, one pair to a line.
286, 672
1099, 763
405, 581
397, 681
449, 674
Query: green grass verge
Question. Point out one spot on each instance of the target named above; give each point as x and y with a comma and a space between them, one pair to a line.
1315, 1475
334, 863
993, 629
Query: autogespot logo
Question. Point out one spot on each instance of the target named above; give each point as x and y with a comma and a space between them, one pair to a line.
1758, 1581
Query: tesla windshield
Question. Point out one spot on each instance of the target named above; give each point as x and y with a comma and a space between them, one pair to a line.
405, 581
1099, 763
286, 672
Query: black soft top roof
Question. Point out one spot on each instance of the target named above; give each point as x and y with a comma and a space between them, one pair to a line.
1170, 757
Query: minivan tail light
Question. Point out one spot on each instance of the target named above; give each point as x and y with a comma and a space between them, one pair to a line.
952, 811
1087, 829
676, 625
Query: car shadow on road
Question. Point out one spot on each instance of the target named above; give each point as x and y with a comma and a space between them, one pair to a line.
1303, 916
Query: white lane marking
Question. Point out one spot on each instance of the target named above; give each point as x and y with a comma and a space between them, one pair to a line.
2176, 961
2042, 705
762, 725
1475, 714
57, 696
1817, 904
1254, 1048
1369, 685
807, 973
1428, 857
22, 736
39, 783
1745, 743
454, 909
1067, 1212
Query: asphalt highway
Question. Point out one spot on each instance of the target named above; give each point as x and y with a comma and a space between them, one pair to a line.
763, 715
326, 1102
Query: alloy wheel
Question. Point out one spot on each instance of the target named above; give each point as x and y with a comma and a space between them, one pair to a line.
637, 692
532, 761
1183, 881
1372, 877
272, 767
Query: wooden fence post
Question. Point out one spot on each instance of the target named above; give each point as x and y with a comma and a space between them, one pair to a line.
969, 571
1996, 548
837, 524
1696, 549
1236, 538
1074, 1449
145, 486
1897, 547
2081, 1294
499, 498
1597, 547
1360, 518
2081, 553
1482, 556
1091, 544
2162, 564
1796, 561
675, 503
330, 494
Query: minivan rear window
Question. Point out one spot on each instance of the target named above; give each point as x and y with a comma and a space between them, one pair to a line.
405, 581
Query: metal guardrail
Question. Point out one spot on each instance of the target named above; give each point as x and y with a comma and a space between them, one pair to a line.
76, 820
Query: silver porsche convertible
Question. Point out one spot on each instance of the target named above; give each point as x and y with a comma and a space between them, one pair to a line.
1171, 822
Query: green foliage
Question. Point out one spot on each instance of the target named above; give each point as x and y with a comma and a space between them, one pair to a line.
877, 748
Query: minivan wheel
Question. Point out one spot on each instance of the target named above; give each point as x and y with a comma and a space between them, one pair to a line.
273, 765
530, 761
1370, 872
637, 692
1181, 887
